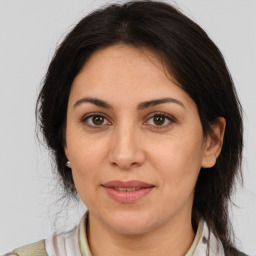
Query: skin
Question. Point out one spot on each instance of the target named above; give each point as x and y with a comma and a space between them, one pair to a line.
129, 144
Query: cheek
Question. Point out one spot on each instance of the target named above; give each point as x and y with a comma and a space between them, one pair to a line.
178, 163
86, 158
84, 151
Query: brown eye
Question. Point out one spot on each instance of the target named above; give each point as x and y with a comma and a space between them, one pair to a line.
159, 120
95, 121
98, 120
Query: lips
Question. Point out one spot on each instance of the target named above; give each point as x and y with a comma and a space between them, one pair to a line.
128, 191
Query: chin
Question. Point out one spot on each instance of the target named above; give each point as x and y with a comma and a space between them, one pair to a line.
129, 223
129, 228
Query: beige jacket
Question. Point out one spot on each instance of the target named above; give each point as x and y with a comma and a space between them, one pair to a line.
74, 243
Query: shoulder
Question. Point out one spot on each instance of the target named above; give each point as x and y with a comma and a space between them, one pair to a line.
64, 243
35, 249
208, 242
58, 244
238, 253
235, 252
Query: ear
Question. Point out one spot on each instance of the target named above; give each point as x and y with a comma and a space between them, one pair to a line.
66, 152
213, 143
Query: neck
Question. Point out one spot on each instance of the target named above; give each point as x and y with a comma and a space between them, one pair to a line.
174, 238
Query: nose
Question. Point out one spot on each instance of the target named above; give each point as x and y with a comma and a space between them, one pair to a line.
126, 148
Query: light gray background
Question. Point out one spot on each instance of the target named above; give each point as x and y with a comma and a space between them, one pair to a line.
29, 33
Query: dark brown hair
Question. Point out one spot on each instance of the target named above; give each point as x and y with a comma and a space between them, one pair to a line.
194, 61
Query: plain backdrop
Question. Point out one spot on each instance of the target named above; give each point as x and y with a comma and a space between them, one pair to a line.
29, 33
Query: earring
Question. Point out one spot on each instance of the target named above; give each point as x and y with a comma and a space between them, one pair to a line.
68, 164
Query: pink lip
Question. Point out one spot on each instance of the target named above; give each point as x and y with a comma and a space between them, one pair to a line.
127, 196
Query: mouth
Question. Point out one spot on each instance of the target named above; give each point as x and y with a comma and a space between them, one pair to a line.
127, 192
126, 189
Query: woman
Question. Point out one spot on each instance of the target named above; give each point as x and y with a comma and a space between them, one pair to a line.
141, 114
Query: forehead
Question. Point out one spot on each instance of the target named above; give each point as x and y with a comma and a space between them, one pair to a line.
126, 71
121, 59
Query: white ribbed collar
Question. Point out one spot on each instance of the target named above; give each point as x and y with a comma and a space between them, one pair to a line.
74, 242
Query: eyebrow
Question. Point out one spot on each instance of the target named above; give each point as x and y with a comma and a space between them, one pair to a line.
95, 101
155, 102
141, 106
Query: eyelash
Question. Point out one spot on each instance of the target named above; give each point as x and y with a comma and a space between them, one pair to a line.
91, 115
166, 117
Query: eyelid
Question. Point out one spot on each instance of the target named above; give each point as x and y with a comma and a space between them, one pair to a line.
151, 115
87, 116
167, 116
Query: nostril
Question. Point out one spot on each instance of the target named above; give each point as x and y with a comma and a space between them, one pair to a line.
125, 166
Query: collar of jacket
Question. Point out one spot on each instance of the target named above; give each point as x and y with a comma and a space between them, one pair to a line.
74, 242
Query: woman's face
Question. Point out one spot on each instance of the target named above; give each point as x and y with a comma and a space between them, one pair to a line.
134, 140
